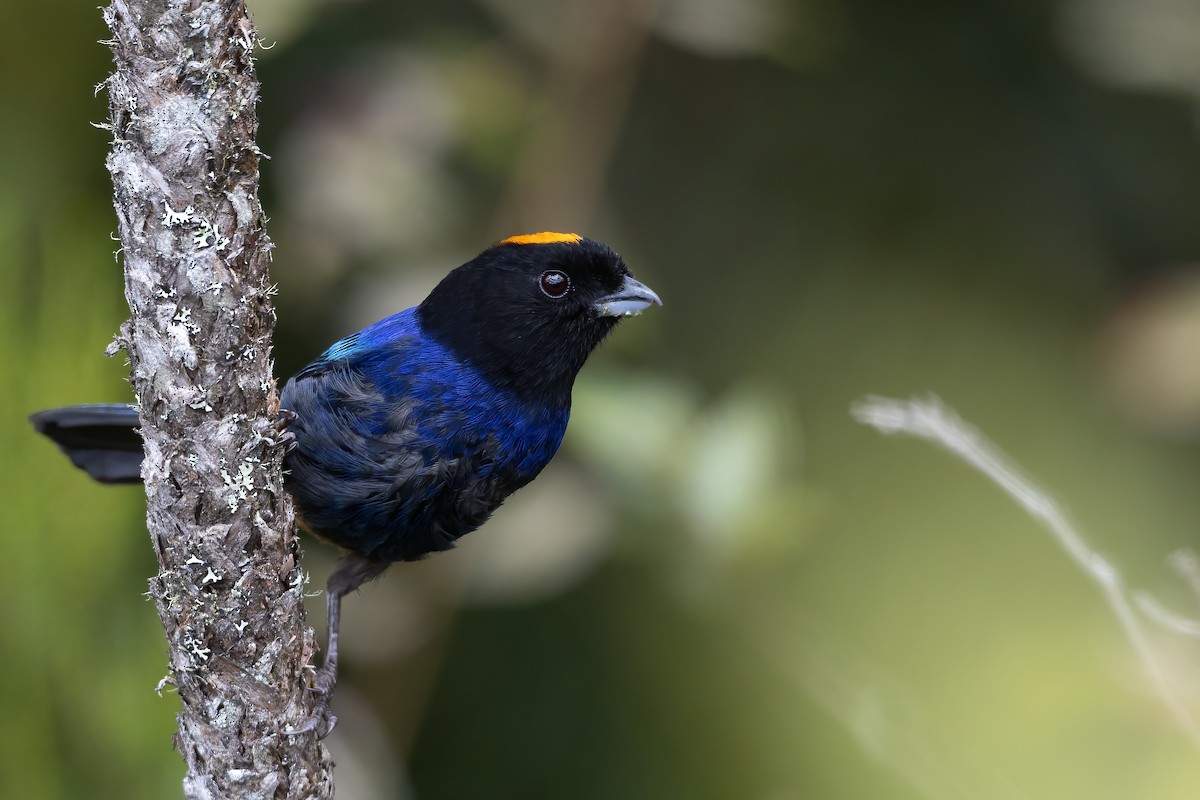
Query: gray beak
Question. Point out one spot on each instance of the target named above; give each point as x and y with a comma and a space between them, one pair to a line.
630, 300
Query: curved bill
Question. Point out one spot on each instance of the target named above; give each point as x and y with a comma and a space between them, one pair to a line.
630, 300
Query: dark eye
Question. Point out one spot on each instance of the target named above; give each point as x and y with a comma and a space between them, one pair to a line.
555, 283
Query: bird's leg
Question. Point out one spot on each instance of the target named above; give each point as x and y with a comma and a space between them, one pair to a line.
280, 424
325, 679
283, 419
351, 572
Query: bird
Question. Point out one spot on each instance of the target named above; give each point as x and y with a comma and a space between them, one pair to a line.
408, 434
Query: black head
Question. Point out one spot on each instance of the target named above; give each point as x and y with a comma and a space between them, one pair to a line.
528, 310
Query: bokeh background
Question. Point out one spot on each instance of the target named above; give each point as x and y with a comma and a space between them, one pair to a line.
724, 587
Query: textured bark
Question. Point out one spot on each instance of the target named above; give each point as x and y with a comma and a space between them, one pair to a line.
229, 589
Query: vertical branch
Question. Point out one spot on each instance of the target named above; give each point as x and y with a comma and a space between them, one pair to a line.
184, 166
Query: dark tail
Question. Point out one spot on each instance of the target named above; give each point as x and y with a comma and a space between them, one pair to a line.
101, 439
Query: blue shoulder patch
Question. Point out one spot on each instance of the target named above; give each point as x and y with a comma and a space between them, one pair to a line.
371, 340
343, 348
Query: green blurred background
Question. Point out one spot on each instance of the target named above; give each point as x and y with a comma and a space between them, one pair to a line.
724, 587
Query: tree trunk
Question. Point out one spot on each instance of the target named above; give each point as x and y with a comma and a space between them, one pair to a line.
229, 589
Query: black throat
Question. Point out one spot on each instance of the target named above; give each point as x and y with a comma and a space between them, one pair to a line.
534, 357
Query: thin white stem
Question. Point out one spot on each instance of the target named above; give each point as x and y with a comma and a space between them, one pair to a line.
1159, 613
1186, 563
930, 419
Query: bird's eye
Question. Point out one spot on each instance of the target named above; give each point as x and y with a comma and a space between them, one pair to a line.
554, 283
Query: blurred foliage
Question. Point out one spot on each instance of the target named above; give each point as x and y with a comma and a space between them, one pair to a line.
723, 588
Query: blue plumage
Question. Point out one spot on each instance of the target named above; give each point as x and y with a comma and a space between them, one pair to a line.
403, 447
